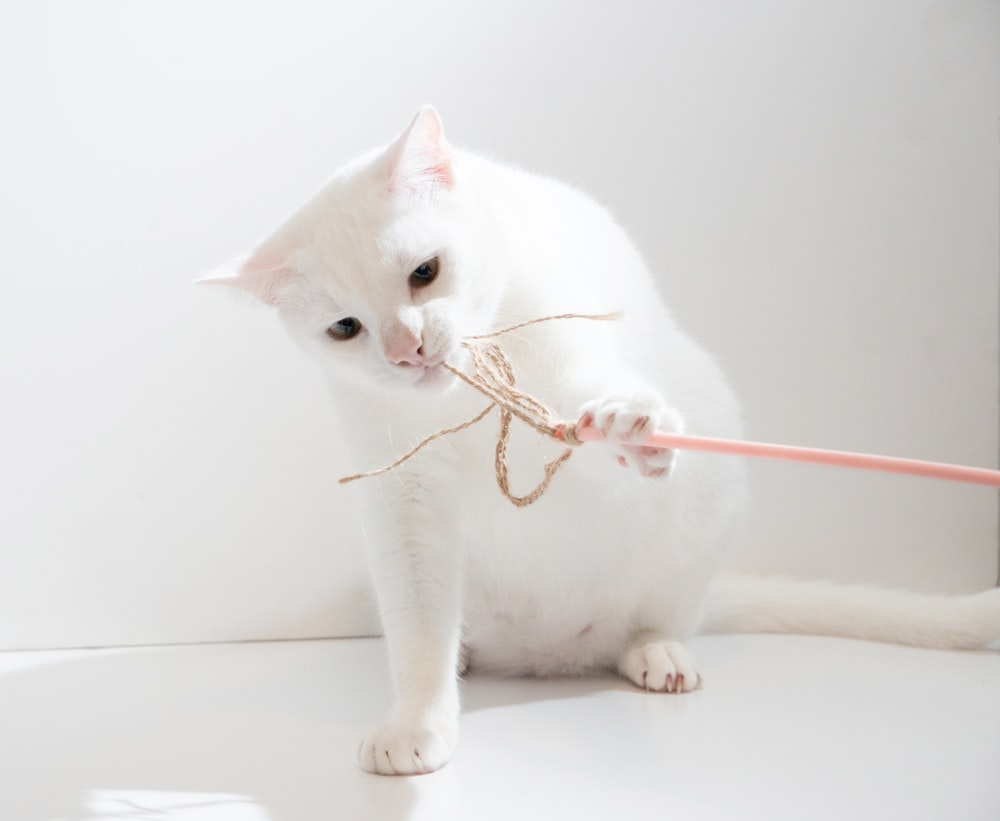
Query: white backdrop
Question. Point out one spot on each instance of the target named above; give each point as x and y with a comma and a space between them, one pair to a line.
815, 182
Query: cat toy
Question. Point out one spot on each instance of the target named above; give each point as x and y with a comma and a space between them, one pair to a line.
493, 376
818, 456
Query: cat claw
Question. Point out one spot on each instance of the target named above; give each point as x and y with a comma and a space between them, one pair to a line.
627, 421
660, 666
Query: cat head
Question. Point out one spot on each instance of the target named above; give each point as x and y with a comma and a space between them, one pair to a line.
381, 274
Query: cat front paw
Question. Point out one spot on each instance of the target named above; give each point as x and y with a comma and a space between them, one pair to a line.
627, 421
407, 748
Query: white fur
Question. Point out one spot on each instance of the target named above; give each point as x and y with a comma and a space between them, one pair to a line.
611, 568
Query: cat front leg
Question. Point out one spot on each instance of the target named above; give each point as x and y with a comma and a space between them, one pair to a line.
417, 580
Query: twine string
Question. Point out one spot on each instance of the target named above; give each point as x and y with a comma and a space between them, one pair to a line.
493, 376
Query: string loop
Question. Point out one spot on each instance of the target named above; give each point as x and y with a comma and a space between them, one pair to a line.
493, 376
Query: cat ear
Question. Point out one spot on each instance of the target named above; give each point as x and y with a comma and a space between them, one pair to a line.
420, 159
262, 273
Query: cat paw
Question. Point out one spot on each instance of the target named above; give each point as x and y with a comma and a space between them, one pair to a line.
404, 748
627, 421
660, 665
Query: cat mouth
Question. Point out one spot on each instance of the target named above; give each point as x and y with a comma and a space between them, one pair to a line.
434, 373
433, 376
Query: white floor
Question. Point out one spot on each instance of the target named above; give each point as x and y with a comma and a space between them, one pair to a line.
785, 728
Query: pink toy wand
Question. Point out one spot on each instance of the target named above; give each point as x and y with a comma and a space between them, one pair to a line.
818, 456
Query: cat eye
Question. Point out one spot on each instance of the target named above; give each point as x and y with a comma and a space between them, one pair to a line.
344, 328
424, 274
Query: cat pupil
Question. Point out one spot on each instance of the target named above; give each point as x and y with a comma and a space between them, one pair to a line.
424, 274
344, 328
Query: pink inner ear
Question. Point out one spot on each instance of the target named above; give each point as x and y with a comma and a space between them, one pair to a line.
263, 273
420, 159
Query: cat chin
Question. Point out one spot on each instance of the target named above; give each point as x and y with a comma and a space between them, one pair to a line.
430, 380
434, 379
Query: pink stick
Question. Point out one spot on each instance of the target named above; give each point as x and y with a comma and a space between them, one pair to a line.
736, 447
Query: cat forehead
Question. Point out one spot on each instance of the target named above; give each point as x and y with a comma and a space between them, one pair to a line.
351, 256
378, 234
355, 232
411, 236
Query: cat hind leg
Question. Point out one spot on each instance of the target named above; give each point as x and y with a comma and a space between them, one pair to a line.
658, 664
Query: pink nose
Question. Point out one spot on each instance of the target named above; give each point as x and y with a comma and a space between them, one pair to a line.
407, 350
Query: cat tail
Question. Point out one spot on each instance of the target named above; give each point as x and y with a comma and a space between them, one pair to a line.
746, 604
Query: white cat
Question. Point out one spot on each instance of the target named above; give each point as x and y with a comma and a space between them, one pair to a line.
402, 254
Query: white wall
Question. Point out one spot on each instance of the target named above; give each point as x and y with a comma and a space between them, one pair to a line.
816, 183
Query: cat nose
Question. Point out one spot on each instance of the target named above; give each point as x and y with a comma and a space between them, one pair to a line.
405, 349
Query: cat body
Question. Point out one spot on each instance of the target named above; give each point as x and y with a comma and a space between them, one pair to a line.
532, 580
404, 253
